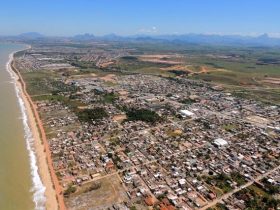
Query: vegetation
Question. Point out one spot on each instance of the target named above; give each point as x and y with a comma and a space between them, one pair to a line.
71, 103
94, 186
255, 198
236, 67
89, 115
143, 115
270, 188
83, 64
241, 69
59, 86
238, 178
130, 58
44, 82
187, 101
110, 97
38, 85
222, 181
70, 190
220, 206
131, 64
229, 127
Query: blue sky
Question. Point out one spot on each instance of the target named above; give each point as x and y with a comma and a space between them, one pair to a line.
127, 17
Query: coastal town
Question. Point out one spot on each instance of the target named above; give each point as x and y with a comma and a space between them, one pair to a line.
129, 140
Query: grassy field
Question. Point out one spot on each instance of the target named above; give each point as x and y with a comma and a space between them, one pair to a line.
38, 83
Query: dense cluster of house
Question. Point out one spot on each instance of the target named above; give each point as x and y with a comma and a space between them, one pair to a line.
208, 143
47, 57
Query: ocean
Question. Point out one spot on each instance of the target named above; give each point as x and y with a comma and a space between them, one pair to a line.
20, 185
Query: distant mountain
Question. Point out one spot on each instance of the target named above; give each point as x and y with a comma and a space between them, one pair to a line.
84, 37
91, 37
111, 36
31, 35
262, 40
221, 39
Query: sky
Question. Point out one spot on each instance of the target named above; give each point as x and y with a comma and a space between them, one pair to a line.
129, 17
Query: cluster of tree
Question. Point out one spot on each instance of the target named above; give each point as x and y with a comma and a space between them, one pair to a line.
71, 189
59, 86
142, 115
238, 178
83, 65
110, 97
129, 58
187, 101
89, 115
270, 188
222, 181
255, 199
179, 72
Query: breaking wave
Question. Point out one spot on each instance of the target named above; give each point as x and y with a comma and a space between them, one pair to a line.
38, 189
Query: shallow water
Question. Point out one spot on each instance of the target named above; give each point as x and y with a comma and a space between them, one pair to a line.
16, 181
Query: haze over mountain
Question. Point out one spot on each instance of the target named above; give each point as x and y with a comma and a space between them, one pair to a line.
262, 40
31, 35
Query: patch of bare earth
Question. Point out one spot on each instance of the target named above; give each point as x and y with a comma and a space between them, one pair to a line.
109, 78
82, 76
106, 64
271, 80
109, 192
257, 120
205, 70
187, 69
177, 67
119, 117
163, 59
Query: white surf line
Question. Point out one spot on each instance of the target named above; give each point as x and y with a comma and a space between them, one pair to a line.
38, 189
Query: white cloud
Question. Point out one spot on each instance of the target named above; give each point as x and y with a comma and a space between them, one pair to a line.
151, 30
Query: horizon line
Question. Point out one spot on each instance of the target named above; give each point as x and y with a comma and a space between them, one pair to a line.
252, 35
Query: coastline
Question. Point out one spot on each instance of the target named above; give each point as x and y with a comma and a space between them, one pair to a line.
46, 183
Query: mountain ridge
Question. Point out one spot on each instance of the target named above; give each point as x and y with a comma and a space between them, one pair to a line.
262, 40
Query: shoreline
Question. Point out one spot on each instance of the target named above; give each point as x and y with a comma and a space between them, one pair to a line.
39, 146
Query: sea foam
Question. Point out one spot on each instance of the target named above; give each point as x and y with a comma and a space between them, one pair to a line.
38, 189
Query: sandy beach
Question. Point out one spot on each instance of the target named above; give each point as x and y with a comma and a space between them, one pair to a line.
54, 197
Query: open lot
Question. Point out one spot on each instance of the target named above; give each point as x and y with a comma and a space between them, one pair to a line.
108, 191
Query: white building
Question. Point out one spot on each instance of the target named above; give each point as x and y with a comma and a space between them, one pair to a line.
220, 142
186, 113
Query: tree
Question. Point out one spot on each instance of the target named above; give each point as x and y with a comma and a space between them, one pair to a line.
89, 115
143, 115
71, 189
